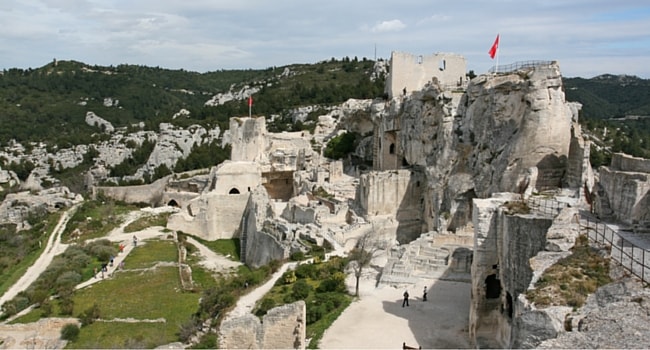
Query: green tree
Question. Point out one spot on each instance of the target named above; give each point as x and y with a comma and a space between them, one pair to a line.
341, 145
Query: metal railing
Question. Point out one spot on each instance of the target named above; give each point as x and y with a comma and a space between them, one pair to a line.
518, 65
632, 257
545, 205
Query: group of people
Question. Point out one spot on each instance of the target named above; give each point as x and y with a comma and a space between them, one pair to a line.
405, 302
105, 266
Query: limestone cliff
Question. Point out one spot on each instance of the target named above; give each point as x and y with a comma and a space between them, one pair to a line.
503, 133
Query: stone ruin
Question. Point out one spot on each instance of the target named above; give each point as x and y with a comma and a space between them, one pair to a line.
446, 158
282, 327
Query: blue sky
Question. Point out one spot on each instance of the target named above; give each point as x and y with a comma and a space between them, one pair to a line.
587, 37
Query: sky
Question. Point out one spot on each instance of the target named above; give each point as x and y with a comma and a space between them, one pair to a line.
586, 37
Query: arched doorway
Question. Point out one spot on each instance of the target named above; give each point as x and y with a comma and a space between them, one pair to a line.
233, 191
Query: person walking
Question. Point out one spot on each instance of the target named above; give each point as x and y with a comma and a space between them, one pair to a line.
424, 294
406, 298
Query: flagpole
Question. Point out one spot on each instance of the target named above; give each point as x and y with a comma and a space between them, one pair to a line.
496, 69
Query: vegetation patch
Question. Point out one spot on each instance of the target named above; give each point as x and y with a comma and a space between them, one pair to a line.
517, 207
229, 248
19, 250
571, 279
321, 286
95, 219
148, 254
340, 146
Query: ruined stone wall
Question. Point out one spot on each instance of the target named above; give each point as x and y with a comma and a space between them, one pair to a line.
261, 237
388, 192
412, 72
278, 184
151, 194
624, 162
211, 216
181, 198
282, 327
628, 193
395, 193
503, 246
248, 139
237, 177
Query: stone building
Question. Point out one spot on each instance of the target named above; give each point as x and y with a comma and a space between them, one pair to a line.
409, 72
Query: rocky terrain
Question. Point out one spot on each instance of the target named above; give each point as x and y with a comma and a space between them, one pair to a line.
433, 175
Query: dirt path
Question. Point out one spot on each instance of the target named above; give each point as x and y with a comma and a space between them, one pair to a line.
52, 248
246, 303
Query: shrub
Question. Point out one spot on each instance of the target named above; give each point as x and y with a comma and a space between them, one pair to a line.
188, 329
89, 316
70, 332
266, 305
307, 271
297, 256
102, 251
335, 283
340, 146
66, 305
288, 277
67, 280
300, 290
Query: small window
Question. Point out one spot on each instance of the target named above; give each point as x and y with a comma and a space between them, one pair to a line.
443, 64
420, 59
233, 191
391, 148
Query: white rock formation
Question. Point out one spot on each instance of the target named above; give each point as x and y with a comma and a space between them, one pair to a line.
93, 119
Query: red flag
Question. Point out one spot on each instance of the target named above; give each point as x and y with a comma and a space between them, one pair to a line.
250, 101
495, 46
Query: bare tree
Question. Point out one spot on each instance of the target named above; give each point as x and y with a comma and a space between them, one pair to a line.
362, 254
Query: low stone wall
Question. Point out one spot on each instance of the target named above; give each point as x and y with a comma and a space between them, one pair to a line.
151, 194
282, 327
624, 162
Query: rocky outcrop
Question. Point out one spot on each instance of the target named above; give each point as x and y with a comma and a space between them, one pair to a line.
615, 317
282, 327
262, 238
497, 136
93, 119
43, 334
247, 137
16, 207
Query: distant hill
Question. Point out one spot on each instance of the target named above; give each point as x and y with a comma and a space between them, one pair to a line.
49, 104
616, 111
610, 96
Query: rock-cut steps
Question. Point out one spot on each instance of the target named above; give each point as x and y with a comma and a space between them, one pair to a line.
419, 260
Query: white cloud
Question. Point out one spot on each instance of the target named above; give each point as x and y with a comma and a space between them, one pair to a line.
207, 35
388, 26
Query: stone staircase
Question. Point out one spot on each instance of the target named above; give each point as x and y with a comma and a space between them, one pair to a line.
418, 260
